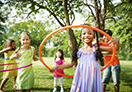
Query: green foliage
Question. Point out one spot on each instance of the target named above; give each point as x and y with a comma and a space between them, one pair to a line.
120, 11
37, 31
54, 7
4, 11
60, 41
123, 29
3, 37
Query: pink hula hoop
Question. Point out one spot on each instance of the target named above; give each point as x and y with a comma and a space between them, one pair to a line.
15, 68
8, 64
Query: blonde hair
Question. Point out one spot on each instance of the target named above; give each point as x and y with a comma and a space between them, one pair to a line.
23, 33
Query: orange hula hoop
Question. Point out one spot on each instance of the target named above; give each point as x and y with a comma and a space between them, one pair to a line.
75, 26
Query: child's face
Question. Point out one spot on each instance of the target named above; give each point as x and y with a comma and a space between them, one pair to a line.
87, 35
13, 45
25, 40
105, 39
58, 54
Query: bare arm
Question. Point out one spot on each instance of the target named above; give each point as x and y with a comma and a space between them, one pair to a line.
34, 58
105, 52
63, 66
5, 50
116, 42
15, 55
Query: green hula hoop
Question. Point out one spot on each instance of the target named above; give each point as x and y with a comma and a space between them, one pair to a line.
120, 56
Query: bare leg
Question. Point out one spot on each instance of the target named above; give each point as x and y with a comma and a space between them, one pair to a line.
104, 87
3, 83
28, 90
21, 90
116, 88
15, 82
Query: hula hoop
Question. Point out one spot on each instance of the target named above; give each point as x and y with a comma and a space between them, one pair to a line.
15, 68
8, 64
68, 27
119, 56
7, 58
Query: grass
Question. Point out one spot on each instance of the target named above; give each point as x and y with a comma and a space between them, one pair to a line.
44, 79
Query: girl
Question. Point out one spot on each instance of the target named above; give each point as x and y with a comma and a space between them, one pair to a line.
59, 60
25, 78
87, 76
8, 51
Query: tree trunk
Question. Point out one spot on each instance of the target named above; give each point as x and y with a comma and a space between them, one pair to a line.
100, 18
97, 20
71, 37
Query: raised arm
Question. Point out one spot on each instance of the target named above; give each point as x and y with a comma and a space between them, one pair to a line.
63, 66
115, 41
5, 50
15, 55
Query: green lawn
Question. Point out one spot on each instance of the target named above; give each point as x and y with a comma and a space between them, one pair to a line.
44, 79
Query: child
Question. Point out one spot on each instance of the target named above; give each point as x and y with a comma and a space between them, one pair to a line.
59, 60
87, 76
8, 51
114, 68
26, 53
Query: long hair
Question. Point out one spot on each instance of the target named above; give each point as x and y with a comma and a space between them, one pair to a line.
99, 55
9, 44
62, 54
23, 33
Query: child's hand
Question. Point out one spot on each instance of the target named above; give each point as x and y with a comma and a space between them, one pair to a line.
36, 59
101, 39
15, 55
113, 41
52, 69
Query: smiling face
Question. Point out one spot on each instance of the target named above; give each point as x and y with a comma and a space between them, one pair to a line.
87, 35
25, 40
13, 45
58, 54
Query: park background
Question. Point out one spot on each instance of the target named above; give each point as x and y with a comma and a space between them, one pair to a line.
41, 17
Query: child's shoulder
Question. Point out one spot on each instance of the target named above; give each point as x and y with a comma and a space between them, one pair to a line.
32, 47
80, 48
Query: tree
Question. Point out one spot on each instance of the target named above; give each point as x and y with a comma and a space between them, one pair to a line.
32, 28
100, 11
62, 11
3, 37
122, 28
3, 28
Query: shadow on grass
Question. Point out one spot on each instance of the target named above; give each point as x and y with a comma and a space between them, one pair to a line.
50, 89
42, 89
11, 91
